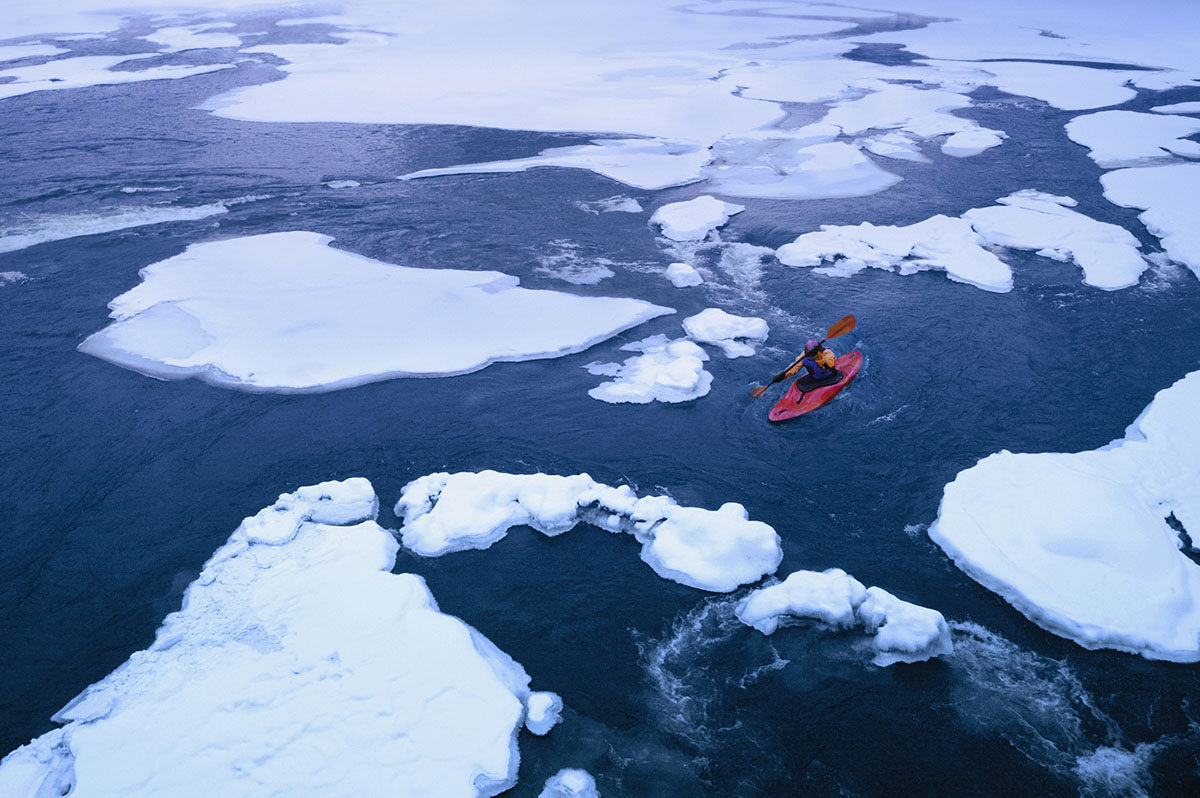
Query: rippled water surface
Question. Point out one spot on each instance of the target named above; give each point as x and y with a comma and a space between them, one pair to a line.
115, 487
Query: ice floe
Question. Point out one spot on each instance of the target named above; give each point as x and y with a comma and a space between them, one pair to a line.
1170, 197
683, 275
1177, 108
903, 632
570, 783
695, 219
42, 229
227, 312
715, 326
1064, 86
192, 37
666, 371
297, 662
91, 70
1130, 138
1028, 220
1080, 543
714, 550
543, 711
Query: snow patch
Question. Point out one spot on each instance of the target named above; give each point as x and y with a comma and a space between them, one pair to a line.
42, 229
666, 371
715, 326
227, 312
296, 659
1079, 543
714, 550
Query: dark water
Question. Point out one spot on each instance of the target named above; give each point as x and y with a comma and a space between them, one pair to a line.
115, 488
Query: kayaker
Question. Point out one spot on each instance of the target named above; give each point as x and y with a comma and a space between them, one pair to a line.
818, 361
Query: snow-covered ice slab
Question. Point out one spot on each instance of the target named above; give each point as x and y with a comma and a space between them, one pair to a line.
1177, 108
1079, 543
683, 275
1028, 220
570, 783
714, 550
286, 312
1170, 196
715, 326
903, 632
42, 229
666, 371
1068, 87
297, 663
11, 52
695, 219
1130, 138
92, 70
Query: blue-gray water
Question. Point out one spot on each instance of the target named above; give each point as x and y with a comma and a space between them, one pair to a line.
114, 488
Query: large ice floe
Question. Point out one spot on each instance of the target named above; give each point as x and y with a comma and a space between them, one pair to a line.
1170, 197
1082, 543
666, 371
1129, 138
903, 632
714, 550
1027, 220
286, 312
297, 664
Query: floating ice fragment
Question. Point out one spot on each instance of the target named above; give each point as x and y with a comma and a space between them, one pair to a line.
91, 70
1170, 197
1130, 138
966, 143
706, 549
666, 371
543, 710
286, 312
683, 275
695, 219
1079, 543
570, 783
903, 632
1177, 108
293, 662
715, 326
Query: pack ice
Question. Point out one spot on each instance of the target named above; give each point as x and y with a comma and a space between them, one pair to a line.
297, 665
715, 550
1080, 543
286, 312
903, 632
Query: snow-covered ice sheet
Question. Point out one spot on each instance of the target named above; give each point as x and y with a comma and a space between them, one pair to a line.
297, 663
91, 70
903, 632
1130, 138
694, 219
1080, 543
683, 275
42, 229
1170, 197
714, 550
1028, 220
666, 371
286, 312
719, 328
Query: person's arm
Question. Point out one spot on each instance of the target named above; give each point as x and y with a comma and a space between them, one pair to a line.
790, 371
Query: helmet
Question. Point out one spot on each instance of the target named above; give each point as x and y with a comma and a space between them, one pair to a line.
812, 342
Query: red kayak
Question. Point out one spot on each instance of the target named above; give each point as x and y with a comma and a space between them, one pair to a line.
795, 403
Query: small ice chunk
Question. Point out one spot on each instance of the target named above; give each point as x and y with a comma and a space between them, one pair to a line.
706, 549
666, 371
1079, 543
570, 783
695, 219
683, 275
966, 143
715, 326
542, 711
343, 183
1130, 138
903, 632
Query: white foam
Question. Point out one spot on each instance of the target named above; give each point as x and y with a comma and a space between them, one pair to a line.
1129, 138
91, 70
683, 275
42, 229
1028, 220
569, 266
1170, 196
903, 632
1079, 542
1177, 108
694, 219
714, 550
7, 278
666, 371
715, 326
286, 312
297, 662
570, 783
